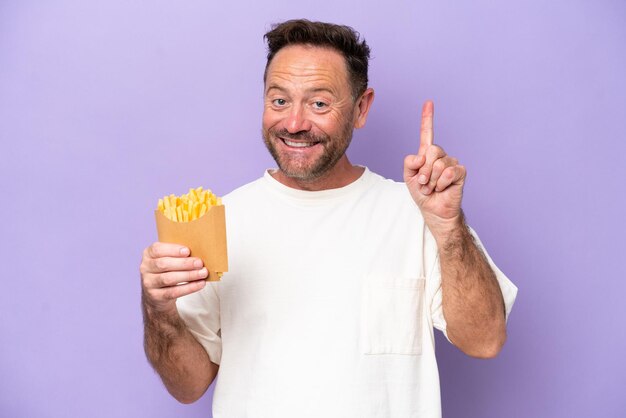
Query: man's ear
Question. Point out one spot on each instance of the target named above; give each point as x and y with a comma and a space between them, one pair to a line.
363, 107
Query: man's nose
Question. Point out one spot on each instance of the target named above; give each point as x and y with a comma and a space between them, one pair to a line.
297, 121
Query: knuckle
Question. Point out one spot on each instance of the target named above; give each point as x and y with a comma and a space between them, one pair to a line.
160, 264
164, 279
439, 165
433, 151
155, 248
153, 295
425, 171
169, 294
147, 281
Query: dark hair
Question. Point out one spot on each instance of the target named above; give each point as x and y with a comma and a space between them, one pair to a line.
343, 39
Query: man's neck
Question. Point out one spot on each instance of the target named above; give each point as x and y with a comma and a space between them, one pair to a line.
342, 174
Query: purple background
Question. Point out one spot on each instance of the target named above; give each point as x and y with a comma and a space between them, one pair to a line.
106, 106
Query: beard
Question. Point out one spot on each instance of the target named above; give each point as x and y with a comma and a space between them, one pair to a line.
306, 168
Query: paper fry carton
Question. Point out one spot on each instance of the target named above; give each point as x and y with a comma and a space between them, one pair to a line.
205, 237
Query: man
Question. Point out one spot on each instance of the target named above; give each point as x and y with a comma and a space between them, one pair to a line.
337, 276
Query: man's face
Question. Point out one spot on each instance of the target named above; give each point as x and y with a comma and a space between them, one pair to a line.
308, 115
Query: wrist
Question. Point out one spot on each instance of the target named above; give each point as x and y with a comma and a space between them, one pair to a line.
160, 314
448, 230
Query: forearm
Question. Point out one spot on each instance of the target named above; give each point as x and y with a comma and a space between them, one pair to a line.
472, 300
175, 354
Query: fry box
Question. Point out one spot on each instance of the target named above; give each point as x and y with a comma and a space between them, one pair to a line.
205, 237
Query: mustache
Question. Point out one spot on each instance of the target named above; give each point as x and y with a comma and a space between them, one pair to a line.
301, 136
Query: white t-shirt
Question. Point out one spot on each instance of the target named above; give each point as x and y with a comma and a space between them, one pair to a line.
328, 306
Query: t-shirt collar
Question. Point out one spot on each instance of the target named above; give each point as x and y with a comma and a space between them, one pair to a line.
320, 195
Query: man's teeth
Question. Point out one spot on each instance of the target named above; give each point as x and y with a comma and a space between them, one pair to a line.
299, 144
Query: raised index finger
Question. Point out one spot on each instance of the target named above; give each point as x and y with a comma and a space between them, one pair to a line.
426, 131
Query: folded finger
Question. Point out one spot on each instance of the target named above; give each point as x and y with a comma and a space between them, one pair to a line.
166, 249
433, 153
438, 167
449, 176
164, 264
412, 163
175, 292
174, 278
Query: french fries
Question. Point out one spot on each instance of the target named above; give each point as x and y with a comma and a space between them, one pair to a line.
188, 207
206, 238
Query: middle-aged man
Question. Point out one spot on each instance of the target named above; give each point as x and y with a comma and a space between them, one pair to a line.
337, 275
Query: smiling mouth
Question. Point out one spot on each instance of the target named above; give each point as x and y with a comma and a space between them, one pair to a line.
298, 144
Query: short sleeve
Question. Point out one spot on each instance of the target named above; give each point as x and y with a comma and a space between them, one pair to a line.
508, 289
201, 313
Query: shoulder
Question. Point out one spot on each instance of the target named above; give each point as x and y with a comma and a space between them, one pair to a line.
390, 189
244, 193
391, 197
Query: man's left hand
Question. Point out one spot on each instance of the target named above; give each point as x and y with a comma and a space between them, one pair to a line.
435, 180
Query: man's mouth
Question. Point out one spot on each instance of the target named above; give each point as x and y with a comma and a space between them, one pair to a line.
298, 144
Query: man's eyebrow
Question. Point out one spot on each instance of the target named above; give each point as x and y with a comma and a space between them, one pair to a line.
313, 90
276, 87
323, 89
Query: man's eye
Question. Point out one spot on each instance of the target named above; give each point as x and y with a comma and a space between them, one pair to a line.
279, 102
319, 105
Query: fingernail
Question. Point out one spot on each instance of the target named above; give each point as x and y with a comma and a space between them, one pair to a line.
184, 251
203, 273
197, 263
422, 179
424, 190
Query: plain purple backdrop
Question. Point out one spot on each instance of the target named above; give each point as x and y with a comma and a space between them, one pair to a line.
106, 106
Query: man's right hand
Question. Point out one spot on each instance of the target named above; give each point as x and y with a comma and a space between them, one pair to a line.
167, 273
